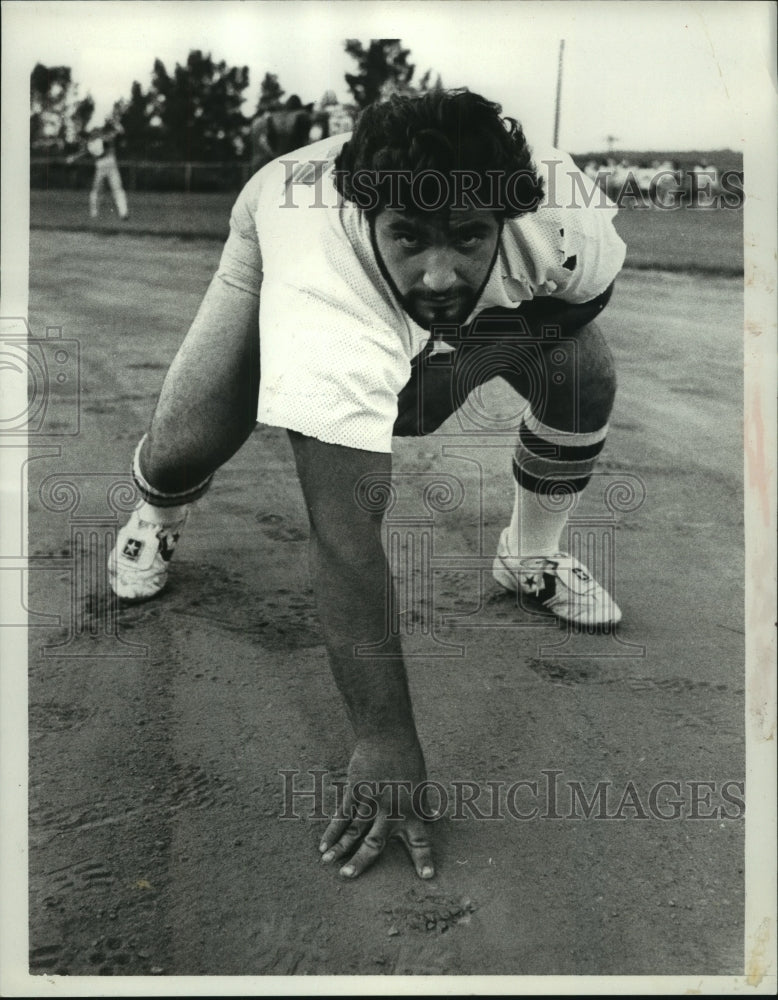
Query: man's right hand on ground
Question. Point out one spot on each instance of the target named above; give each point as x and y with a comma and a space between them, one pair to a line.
382, 800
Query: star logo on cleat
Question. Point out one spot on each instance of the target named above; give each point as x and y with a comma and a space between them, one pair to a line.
132, 549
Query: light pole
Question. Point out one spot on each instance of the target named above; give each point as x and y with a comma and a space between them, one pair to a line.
558, 92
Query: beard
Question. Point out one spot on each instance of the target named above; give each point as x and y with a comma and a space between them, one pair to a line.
428, 311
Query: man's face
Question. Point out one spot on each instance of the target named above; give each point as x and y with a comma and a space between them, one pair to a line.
437, 264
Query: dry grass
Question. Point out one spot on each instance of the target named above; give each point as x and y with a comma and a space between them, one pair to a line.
684, 240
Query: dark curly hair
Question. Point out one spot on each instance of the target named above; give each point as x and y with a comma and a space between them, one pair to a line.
441, 150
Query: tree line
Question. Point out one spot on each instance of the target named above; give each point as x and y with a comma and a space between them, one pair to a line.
196, 111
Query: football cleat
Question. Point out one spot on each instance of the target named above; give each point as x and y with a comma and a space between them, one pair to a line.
138, 564
560, 583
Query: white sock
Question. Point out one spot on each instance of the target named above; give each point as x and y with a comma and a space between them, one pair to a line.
184, 497
162, 515
534, 530
547, 455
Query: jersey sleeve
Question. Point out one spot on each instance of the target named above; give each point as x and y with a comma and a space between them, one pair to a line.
569, 247
594, 252
241, 259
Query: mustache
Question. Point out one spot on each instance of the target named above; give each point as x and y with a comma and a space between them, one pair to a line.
452, 295
428, 308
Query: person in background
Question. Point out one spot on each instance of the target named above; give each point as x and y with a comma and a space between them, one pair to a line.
330, 117
261, 150
101, 146
281, 131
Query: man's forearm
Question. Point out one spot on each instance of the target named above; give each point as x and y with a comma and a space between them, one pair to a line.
357, 612
353, 587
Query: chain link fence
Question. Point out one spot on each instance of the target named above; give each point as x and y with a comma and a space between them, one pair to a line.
142, 175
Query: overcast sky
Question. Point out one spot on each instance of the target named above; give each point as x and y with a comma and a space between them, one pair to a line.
666, 75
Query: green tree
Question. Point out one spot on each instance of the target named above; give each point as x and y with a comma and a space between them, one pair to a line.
58, 117
82, 116
383, 61
192, 114
383, 69
270, 94
142, 136
50, 89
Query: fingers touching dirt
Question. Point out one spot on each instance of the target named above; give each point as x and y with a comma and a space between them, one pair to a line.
361, 841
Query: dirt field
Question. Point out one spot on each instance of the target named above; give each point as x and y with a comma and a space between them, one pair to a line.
158, 733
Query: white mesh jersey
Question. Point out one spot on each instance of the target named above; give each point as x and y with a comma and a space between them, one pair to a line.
335, 345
